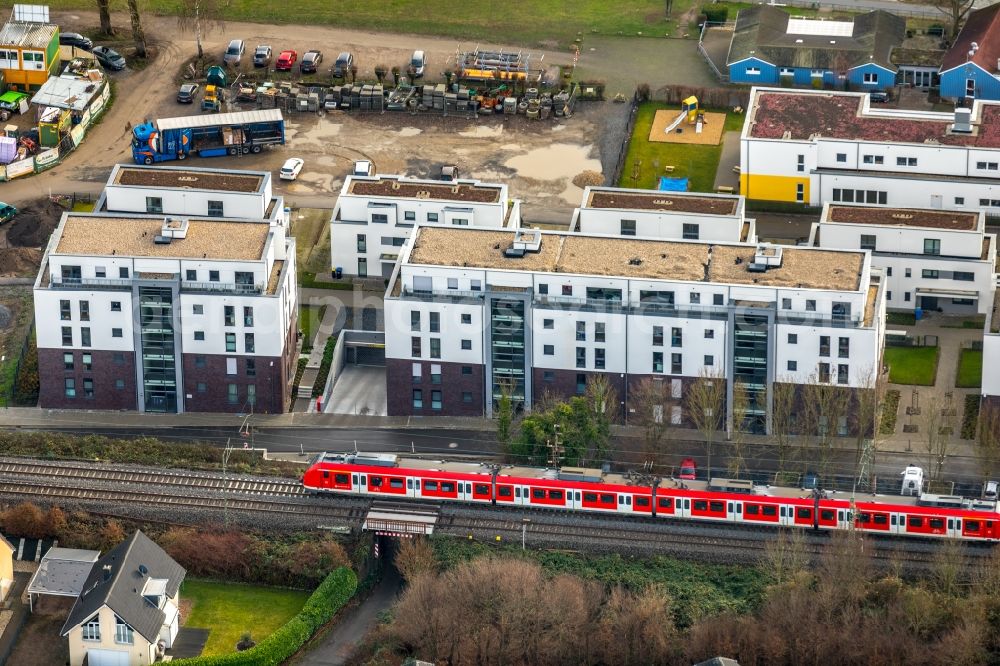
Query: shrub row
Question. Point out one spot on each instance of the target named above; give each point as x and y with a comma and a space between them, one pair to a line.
331, 595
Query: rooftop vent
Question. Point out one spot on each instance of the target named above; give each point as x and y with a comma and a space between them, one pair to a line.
174, 227
963, 121
786, 135
143, 570
395, 184
635, 261
161, 240
765, 257
525, 240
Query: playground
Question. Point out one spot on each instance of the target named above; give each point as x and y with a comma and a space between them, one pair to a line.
669, 126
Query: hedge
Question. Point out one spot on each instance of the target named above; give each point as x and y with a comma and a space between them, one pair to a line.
331, 595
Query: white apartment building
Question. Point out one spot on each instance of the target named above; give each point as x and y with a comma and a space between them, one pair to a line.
935, 260
665, 215
991, 352
469, 308
814, 146
374, 216
166, 313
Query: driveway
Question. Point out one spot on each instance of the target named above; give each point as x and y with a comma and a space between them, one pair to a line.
360, 389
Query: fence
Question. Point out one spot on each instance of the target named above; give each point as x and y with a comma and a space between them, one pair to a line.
723, 77
616, 173
911, 341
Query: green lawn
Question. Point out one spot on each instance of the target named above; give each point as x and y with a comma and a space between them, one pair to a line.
970, 369
309, 318
912, 365
699, 163
900, 318
229, 610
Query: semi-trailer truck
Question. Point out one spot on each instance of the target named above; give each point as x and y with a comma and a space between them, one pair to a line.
207, 136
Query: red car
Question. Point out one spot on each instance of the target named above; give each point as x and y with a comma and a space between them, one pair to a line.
286, 60
689, 470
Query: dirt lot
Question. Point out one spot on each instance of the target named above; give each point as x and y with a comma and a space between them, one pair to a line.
39, 643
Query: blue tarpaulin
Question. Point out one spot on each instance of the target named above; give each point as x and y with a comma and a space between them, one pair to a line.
673, 184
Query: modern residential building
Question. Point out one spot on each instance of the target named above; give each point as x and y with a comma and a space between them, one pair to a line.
971, 67
931, 259
991, 352
6, 567
29, 50
665, 215
770, 47
169, 313
128, 613
374, 216
470, 309
816, 146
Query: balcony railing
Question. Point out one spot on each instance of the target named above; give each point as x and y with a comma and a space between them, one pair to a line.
58, 282
226, 287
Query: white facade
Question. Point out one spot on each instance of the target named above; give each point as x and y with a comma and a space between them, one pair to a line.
930, 259
818, 146
991, 350
375, 215
666, 215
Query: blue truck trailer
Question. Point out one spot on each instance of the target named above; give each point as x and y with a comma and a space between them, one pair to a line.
207, 136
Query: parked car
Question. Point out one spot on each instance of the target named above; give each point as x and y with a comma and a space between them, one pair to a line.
810, 480
7, 212
689, 470
878, 97
235, 52
990, 488
343, 65
285, 61
75, 40
417, 64
291, 168
187, 93
262, 56
109, 58
310, 61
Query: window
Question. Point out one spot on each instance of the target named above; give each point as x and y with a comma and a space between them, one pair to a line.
690, 231
793, 366
466, 369
191, 275
906, 161
599, 332
694, 298
154, 204
460, 221
841, 157
959, 201
709, 333
467, 397
418, 399
119, 358
432, 217
676, 337
656, 297
71, 274
824, 372
435, 322
675, 364
248, 316
932, 246
628, 228
466, 318
793, 338
68, 361
88, 387
67, 336
810, 305
248, 343
801, 163
824, 345
567, 290
870, 78
453, 283
213, 276
362, 267
844, 348
963, 276
717, 299
119, 384
435, 347
906, 296
657, 361
380, 218
658, 336
888, 295
414, 320
548, 324
199, 336
85, 337
543, 289
415, 347
116, 306
843, 374
229, 315
873, 159
435, 399
475, 285
84, 310
215, 209
786, 304
929, 274
232, 394
548, 350
987, 166
867, 241
581, 331
581, 383
92, 629
599, 358
709, 359
100, 271
251, 367
753, 71
65, 311
435, 372
230, 342
466, 344
888, 271
410, 216
362, 243
116, 332
548, 376
70, 387
800, 192
993, 203
417, 373
581, 357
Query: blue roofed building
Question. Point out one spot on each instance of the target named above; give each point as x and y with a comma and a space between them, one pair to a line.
971, 67
770, 47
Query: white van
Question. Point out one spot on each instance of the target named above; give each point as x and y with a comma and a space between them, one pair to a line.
417, 64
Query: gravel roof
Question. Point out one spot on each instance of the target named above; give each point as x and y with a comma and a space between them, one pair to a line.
670, 203
838, 116
393, 187
904, 217
189, 179
133, 237
635, 258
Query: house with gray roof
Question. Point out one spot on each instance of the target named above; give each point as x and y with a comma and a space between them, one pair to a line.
128, 611
770, 47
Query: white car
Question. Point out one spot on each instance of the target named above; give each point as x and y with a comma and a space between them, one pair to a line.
290, 170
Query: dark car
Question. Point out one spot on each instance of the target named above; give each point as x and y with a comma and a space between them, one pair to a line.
75, 40
878, 97
810, 481
343, 65
262, 56
310, 61
109, 58
187, 93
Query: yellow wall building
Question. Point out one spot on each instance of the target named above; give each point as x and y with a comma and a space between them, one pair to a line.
29, 54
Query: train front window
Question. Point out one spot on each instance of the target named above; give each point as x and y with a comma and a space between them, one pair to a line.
340, 478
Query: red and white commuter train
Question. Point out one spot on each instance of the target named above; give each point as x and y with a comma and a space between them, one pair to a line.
390, 476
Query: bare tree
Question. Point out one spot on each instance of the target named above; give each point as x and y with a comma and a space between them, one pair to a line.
138, 36
783, 421
104, 11
988, 437
602, 398
738, 429
948, 568
956, 11
505, 413
824, 408
937, 422
785, 556
870, 398
414, 558
201, 16
705, 404
652, 403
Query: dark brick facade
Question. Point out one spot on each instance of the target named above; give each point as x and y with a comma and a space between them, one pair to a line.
453, 385
106, 370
